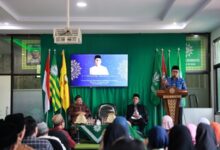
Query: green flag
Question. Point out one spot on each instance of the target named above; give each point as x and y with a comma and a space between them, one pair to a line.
183, 100
155, 84
54, 85
179, 63
169, 65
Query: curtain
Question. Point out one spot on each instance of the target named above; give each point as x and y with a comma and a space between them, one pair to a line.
140, 49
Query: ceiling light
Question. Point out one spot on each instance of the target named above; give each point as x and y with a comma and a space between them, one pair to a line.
6, 23
174, 26
81, 4
174, 23
195, 35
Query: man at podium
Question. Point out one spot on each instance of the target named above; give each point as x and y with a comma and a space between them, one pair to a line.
179, 83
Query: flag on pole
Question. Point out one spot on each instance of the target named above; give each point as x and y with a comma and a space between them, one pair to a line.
163, 67
155, 84
179, 64
183, 100
54, 85
169, 65
46, 84
64, 87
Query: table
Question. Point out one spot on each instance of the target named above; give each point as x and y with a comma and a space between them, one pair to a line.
93, 132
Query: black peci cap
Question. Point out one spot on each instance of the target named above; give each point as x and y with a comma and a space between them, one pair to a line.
136, 95
97, 56
175, 68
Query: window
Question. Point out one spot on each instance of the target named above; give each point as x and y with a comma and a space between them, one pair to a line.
217, 73
26, 76
197, 70
5, 54
217, 52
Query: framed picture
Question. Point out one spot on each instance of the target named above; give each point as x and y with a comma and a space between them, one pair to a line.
196, 53
31, 54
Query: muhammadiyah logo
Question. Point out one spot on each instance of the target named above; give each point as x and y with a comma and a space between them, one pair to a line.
156, 78
189, 50
155, 81
54, 70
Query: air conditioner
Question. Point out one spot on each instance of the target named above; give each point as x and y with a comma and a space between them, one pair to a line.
67, 36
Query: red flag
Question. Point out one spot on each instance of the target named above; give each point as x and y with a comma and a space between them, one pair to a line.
46, 84
163, 67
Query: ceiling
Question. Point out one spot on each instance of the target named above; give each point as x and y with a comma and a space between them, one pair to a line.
111, 16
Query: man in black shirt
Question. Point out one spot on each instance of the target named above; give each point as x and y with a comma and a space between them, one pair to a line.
136, 113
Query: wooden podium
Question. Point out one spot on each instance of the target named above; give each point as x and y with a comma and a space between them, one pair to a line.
172, 97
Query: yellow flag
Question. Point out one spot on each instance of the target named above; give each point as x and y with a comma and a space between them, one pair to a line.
64, 87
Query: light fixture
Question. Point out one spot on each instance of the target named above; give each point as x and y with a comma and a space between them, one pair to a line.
81, 4
6, 23
195, 35
174, 26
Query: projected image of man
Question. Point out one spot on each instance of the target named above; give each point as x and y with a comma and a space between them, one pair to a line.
98, 69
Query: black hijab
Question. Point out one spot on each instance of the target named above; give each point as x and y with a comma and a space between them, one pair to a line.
112, 133
205, 138
180, 138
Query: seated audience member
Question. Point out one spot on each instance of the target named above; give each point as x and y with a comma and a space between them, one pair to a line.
192, 129
43, 134
204, 120
112, 133
124, 123
216, 127
127, 144
78, 109
136, 113
167, 123
180, 138
158, 138
59, 132
205, 138
18, 121
8, 136
30, 137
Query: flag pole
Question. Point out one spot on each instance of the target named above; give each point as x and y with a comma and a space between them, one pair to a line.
47, 121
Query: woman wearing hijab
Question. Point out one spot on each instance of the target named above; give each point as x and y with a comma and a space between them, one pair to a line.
216, 127
167, 122
158, 138
128, 144
118, 129
205, 138
192, 129
132, 132
204, 120
180, 138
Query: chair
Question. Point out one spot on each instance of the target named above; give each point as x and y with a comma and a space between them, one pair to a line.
193, 100
105, 109
56, 145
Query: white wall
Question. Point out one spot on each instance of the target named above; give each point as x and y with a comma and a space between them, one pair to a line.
5, 96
